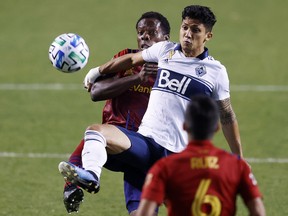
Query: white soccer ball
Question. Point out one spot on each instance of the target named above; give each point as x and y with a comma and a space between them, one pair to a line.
69, 53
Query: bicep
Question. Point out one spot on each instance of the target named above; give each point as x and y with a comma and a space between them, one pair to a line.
227, 115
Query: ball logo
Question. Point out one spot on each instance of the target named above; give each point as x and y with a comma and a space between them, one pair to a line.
69, 53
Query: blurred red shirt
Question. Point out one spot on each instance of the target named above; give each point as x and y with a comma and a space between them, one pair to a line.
201, 179
127, 109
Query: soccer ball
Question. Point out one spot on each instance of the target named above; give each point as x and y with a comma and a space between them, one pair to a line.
69, 53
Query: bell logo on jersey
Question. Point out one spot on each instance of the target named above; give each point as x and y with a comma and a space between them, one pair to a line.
173, 81
180, 84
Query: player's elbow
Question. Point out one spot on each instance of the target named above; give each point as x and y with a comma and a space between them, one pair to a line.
96, 95
94, 98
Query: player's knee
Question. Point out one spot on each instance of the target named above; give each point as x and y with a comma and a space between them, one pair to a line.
95, 127
133, 213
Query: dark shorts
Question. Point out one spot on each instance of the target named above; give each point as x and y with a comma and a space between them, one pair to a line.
135, 162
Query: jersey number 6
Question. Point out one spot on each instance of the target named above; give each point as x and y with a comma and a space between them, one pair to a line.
202, 198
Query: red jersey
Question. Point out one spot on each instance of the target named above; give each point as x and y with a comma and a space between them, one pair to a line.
201, 179
127, 109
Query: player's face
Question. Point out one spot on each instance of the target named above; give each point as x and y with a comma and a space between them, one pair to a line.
148, 33
193, 36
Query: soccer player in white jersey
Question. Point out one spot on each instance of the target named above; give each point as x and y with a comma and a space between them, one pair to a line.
184, 69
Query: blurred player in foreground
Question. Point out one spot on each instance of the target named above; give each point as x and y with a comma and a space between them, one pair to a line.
127, 93
184, 69
202, 179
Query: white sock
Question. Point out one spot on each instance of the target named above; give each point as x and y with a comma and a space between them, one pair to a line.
94, 154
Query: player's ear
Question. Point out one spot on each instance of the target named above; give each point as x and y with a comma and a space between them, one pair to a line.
167, 37
209, 35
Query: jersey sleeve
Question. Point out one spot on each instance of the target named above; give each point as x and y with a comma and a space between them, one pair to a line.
121, 53
248, 185
153, 53
222, 89
154, 187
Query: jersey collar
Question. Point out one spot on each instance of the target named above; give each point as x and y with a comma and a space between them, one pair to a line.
201, 56
200, 143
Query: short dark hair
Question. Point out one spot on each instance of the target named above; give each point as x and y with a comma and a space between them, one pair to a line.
201, 117
201, 13
164, 23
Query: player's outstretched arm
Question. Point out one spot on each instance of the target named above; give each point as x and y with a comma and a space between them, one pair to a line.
113, 66
111, 87
122, 63
230, 126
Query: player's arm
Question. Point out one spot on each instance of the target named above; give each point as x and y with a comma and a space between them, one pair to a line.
230, 126
250, 192
121, 63
146, 208
111, 87
256, 207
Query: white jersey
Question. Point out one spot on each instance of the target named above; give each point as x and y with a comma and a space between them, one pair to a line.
178, 78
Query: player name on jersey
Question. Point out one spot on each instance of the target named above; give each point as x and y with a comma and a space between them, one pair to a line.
210, 162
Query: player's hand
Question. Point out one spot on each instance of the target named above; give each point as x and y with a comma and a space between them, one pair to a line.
148, 69
90, 78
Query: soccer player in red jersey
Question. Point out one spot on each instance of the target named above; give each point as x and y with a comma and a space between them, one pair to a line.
127, 93
202, 179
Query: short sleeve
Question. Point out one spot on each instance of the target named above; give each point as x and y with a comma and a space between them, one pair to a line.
248, 185
222, 89
154, 187
154, 53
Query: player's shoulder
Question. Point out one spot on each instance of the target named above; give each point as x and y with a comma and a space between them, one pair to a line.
222, 153
125, 51
215, 63
232, 158
164, 45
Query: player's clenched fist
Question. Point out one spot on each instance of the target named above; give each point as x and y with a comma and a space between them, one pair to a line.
90, 78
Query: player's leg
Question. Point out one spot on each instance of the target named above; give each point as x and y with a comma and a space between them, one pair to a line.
133, 183
76, 157
100, 139
72, 194
94, 154
132, 197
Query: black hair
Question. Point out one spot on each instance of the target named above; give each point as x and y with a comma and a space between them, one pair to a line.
201, 117
164, 23
201, 13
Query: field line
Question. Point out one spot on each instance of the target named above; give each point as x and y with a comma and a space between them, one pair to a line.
40, 86
32, 155
259, 88
60, 86
66, 156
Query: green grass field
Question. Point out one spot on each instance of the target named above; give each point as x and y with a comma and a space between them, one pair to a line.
39, 126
